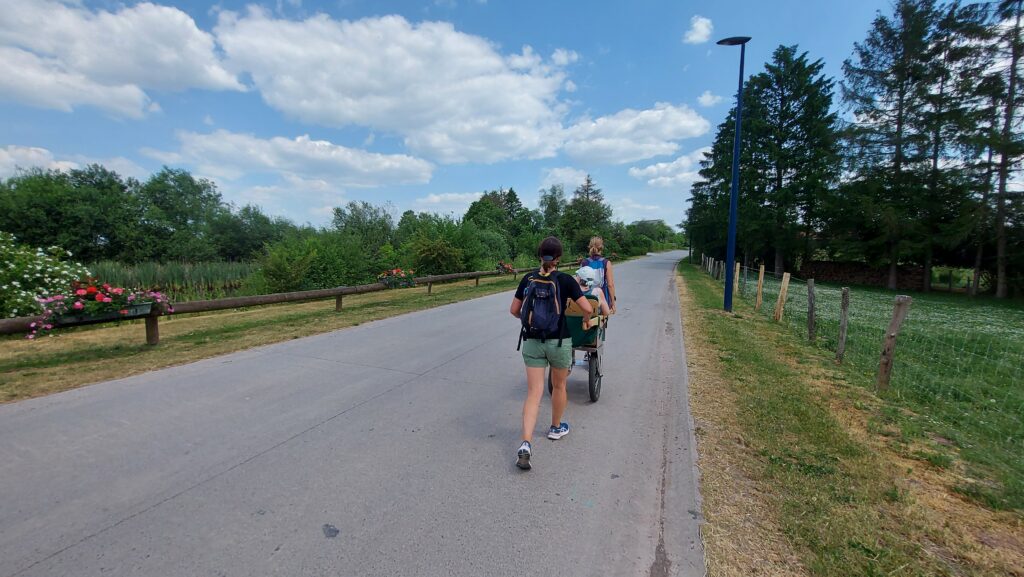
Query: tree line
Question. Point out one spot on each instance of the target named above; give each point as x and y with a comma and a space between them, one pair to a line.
174, 217
918, 164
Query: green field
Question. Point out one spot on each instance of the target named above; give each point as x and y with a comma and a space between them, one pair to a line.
958, 376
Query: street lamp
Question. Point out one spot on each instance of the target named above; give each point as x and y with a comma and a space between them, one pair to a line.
730, 251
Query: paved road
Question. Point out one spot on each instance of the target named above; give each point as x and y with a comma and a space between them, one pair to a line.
381, 450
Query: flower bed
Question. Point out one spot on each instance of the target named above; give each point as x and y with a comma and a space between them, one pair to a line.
505, 267
397, 278
90, 302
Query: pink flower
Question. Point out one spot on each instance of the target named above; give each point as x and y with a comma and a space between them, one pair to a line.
31, 337
107, 299
78, 305
117, 290
32, 325
48, 327
80, 292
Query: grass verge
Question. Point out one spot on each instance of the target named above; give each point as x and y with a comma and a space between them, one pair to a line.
794, 479
76, 357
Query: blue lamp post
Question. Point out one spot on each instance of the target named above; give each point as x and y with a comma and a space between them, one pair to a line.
730, 251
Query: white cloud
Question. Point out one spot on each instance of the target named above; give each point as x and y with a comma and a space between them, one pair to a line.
452, 96
567, 176
70, 55
231, 155
679, 173
453, 202
562, 57
631, 135
299, 199
700, 30
708, 99
45, 83
629, 210
13, 158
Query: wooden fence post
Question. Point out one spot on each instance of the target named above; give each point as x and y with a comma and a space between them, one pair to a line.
760, 286
843, 320
899, 314
781, 304
477, 281
152, 330
811, 329
746, 273
736, 279
430, 287
337, 303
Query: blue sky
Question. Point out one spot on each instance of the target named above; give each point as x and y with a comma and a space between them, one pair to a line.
299, 105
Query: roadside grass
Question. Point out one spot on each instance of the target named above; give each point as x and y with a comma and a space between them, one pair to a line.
80, 356
959, 375
795, 466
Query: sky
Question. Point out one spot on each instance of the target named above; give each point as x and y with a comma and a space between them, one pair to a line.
299, 106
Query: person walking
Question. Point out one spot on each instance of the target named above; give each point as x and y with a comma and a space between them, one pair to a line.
605, 278
539, 303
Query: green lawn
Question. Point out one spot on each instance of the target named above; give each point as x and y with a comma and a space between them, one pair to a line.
958, 372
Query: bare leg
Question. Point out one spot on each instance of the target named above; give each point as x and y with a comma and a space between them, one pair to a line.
534, 391
558, 396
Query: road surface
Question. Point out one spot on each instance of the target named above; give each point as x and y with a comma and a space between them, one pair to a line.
386, 449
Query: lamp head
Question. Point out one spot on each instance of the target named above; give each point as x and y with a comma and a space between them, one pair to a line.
733, 41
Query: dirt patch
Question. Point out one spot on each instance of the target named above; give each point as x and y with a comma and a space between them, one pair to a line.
741, 536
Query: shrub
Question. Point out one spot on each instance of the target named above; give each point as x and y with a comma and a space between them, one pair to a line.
436, 256
286, 264
28, 274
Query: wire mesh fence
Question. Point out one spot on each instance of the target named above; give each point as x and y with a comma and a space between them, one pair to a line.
958, 364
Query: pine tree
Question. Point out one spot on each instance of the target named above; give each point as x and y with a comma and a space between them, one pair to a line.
1008, 146
797, 133
585, 216
886, 85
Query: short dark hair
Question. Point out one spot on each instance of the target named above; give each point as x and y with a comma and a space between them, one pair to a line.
550, 247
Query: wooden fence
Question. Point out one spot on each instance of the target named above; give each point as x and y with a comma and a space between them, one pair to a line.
714, 268
22, 324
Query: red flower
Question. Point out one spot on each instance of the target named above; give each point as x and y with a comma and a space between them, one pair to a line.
99, 297
92, 290
123, 311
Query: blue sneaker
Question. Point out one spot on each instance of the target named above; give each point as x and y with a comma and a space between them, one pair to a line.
555, 433
523, 462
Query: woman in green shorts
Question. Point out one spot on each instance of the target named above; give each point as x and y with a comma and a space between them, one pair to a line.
554, 350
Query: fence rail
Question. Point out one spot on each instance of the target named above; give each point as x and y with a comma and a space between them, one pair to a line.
22, 324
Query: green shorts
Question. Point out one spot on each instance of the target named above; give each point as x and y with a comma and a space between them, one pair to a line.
539, 354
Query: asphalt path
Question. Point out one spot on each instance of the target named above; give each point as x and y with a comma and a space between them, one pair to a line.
386, 449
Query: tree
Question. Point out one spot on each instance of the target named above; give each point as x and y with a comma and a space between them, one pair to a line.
371, 225
91, 212
795, 130
885, 86
552, 203
1009, 146
586, 215
241, 235
177, 209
